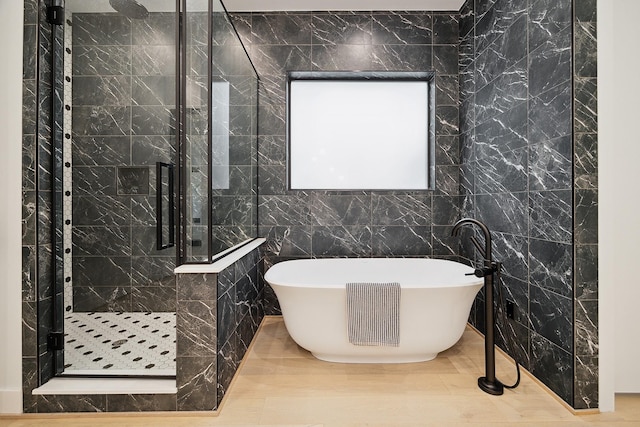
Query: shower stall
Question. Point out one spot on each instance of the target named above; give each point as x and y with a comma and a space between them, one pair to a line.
148, 162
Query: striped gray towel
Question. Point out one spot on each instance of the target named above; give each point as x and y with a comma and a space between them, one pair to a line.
373, 314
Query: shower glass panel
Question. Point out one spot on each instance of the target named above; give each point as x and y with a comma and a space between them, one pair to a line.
118, 153
219, 136
195, 128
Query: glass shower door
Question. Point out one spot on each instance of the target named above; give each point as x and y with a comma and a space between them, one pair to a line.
118, 157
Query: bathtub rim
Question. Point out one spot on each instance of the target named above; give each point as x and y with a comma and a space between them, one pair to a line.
466, 272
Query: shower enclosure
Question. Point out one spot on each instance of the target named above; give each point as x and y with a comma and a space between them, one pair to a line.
153, 159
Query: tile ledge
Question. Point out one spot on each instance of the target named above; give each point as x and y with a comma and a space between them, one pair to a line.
58, 386
235, 253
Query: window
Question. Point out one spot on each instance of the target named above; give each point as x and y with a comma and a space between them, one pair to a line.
360, 131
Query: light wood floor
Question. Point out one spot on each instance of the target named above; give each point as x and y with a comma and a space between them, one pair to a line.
280, 384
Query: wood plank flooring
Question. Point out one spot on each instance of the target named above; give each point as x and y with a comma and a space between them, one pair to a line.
279, 384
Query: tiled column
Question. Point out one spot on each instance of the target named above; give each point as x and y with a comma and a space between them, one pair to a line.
196, 351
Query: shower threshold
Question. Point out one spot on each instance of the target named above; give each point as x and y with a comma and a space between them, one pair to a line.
120, 344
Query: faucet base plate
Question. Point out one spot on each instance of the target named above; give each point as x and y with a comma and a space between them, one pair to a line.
492, 387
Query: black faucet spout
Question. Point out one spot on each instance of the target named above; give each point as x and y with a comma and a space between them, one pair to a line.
486, 254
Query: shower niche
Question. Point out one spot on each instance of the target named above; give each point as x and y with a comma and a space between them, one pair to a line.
149, 162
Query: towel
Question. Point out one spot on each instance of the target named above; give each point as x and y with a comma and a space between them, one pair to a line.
373, 314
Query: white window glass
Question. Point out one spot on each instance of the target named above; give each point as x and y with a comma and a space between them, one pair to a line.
359, 134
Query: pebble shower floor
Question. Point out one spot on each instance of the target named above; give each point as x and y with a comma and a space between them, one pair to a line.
120, 344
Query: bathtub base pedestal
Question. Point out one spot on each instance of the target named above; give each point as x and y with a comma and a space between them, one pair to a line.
337, 358
492, 387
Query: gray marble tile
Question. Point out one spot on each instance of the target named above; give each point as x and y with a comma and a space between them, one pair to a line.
341, 241
133, 180
277, 59
494, 18
586, 105
91, 29
195, 287
550, 114
95, 60
281, 29
401, 210
29, 382
551, 266
586, 216
504, 93
152, 120
586, 324
101, 90
101, 120
447, 90
140, 402
586, 272
100, 150
550, 64
339, 210
342, 28
286, 240
103, 298
101, 271
445, 28
586, 382
402, 28
586, 160
553, 366
445, 59
196, 329
153, 90
504, 132
446, 209
101, 210
447, 180
447, 120
342, 57
196, 378
501, 171
29, 273
546, 20
550, 215
400, 57
513, 252
504, 212
550, 165
397, 241
283, 210
150, 299
586, 49
586, 10
157, 61
467, 17
99, 240
72, 403
158, 28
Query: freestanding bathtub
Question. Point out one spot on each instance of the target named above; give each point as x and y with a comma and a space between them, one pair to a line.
435, 302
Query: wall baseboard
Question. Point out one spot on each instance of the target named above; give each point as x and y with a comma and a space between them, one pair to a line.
11, 401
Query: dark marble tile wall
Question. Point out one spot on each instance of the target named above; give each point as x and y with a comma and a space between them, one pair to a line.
218, 316
303, 224
520, 141
585, 204
240, 312
30, 213
123, 88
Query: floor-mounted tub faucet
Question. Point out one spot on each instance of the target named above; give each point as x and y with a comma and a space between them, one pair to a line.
488, 383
